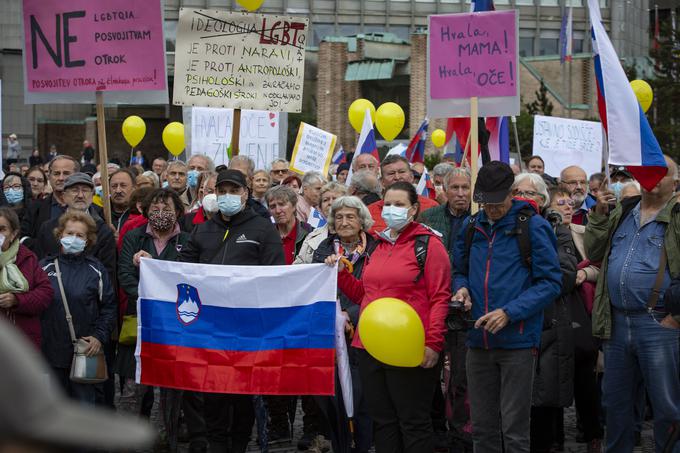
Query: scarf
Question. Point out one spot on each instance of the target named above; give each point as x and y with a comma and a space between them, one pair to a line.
11, 278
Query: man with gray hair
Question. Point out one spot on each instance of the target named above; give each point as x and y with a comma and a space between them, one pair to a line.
438, 173
279, 171
365, 161
312, 182
177, 180
366, 186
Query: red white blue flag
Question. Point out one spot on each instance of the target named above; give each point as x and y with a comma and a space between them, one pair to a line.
339, 157
499, 138
566, 36
631, 141
415, 151
366, 143
425, 187
261, 330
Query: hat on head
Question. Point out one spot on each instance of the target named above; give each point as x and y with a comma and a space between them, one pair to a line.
622, 171
232, 176
493, 183
342, 167
12, 135
78, 178
34, 409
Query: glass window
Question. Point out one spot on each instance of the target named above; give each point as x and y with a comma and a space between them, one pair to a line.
524, 2
402, 31
549, 46
574, 3
526, 46
320, 31
550, 2
348, 29
170, 31
577, 46
374, 29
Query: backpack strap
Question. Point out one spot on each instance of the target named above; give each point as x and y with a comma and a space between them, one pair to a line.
420, 247
523, 236
469, 236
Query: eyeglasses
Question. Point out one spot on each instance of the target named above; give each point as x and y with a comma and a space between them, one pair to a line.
14, 186
280, 172
565, 201
526, 193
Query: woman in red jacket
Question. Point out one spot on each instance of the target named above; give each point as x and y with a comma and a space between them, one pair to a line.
25, 291
400, 399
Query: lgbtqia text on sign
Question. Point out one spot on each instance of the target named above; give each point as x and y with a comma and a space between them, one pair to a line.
473, 55
88, 46
313, 150
210, 134
562, 142
240, 60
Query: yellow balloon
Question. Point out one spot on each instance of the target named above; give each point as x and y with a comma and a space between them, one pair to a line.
250, 5
389, 119
173, 138
643, 93
134, 130
392, 332
438, 138
357, 111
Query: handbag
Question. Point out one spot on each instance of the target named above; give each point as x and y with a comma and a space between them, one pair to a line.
84, 369
128, 331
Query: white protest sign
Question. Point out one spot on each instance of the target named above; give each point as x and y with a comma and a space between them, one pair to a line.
563, 142
313, 150
210, 134
239, 60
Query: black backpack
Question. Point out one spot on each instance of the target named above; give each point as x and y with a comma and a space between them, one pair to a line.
521, 231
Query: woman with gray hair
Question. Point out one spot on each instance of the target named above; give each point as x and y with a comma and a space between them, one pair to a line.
349, 221
531, 186
329, 193
310, 198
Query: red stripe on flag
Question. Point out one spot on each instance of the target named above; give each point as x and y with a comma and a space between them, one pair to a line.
648, 176
273, 372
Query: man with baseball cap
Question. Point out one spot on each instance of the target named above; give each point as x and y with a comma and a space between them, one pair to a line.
234, 236
35, 415
507, 293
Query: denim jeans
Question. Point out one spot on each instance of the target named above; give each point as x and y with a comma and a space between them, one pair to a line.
640, 348
500, 382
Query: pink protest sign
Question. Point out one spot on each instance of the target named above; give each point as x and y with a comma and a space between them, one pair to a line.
473, 54
85, 45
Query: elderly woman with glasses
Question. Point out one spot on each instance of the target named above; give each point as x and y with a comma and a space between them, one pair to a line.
348, 223
553, 385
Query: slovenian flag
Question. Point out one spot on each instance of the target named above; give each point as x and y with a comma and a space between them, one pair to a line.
415, 151
630, 138
316, 219
566, 36
366, 143
339, 157
260, 330
425, 188
499, 139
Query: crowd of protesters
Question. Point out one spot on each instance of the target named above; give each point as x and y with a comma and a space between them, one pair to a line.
561, 290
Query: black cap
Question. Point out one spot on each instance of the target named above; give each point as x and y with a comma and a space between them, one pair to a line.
342, 167
621, 171
78, 178
232, 176
493, 182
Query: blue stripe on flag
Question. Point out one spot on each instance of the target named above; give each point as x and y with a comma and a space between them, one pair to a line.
651, 151
241, 329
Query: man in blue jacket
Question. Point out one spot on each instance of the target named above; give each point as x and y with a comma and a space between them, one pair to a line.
507, 293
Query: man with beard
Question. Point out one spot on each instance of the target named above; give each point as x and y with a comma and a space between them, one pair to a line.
576, 180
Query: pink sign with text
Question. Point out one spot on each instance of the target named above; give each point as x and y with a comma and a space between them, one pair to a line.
473, 54
86, 45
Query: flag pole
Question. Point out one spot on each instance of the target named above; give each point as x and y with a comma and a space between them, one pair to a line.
463, 161
235, 133
570, 89
103, 156
519, 151
474, 148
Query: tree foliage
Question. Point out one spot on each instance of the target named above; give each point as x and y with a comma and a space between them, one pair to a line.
542, 104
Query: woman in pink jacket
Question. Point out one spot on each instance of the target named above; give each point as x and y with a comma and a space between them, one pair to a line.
400, 399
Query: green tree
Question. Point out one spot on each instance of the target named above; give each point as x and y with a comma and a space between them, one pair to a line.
664, 115
542, 104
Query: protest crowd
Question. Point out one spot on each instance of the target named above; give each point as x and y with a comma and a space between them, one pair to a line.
458, 300
551, 295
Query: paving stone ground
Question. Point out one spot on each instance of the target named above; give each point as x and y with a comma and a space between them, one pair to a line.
570, 446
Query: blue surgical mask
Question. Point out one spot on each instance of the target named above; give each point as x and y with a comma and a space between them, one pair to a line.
396, 217
72, 244
229, 204
616, 188
192, 178
99, 191
14, 196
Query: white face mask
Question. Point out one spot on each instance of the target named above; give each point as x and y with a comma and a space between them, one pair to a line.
396, 217
210, 203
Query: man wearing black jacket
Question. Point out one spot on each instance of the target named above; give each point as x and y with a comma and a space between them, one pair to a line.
235, 236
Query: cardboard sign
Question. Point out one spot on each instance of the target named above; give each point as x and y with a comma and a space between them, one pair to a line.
210, 134
563, 142
313, 150
473, 55
240, 60
86, 46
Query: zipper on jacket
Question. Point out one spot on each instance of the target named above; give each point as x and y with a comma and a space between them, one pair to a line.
486, 281
521, 327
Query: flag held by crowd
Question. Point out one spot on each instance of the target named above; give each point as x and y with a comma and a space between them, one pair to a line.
566, 36
631, 140
237, 329
415, 151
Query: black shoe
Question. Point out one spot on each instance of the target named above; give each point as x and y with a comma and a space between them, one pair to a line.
306, 441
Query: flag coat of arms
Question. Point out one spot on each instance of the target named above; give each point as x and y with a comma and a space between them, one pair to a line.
266, 330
